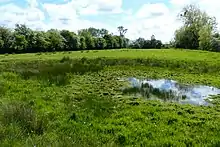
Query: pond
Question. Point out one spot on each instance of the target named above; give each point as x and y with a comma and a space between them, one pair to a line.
170, 90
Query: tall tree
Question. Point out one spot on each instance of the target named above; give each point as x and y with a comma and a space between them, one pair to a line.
122, 31
103, 32
42, 41
70, 40
56, 41
94, 32
6, 36
205, 38
194, 22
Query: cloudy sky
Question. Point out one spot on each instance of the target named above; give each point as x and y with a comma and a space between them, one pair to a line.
141, 17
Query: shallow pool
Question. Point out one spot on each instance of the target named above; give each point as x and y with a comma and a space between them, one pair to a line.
170, 90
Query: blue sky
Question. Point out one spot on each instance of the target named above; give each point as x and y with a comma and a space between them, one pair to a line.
142, 17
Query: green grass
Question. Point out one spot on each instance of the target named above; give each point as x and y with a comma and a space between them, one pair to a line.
123, 53
77, 100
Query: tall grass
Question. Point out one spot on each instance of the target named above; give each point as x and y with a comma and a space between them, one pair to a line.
83, 65
24, 116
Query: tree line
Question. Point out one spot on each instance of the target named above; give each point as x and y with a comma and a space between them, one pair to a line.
199, 31
25, 40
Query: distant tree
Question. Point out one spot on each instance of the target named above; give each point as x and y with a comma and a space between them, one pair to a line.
56, 40
103, 32
100, 43
6, 37
122, 31
109, 41
94, 32
76, 43
82, 43
90, 42
139, 43
153, 37
20, 43
42, 42
23, 40
70, 41
205, 38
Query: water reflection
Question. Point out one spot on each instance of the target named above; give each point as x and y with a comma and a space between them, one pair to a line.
170, 90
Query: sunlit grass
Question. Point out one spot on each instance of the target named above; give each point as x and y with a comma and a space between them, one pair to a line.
77, 101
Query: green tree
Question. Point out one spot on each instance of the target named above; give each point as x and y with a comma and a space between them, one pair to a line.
22, 29
6, 37
20, 43
94, 32
90, 42
42, 41
205, 38
122, 31
56, 41
139, 43
70, 41
109, 41
194, 20
103, 32
100, 43
76, 43
1, 44
82, 43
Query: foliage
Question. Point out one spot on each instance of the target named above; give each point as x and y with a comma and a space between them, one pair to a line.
25, 40
205, 37
197, 31
141, 43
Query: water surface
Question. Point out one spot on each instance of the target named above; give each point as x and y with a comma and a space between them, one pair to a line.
170, 90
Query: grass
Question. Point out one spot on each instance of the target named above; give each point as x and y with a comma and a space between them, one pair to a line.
55, 100
123, 53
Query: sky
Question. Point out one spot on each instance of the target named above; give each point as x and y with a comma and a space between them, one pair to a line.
142, 18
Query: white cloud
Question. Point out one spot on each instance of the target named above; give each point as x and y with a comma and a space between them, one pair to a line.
151, 18
151, 10
67, 15
32, 3
161, 20
91, 7
12, 14
62, 11
90, 10
111, 6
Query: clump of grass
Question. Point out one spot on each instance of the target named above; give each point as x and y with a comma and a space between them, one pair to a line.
58, 80
38, 54
24, 116
65, 59
10, 76
55, 72
96, 106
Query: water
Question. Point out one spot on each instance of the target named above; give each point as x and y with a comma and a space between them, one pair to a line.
170, 90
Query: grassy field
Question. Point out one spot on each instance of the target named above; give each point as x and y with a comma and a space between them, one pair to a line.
75, 99
125, 53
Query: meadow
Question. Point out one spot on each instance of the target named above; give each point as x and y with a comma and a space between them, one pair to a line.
75, 99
